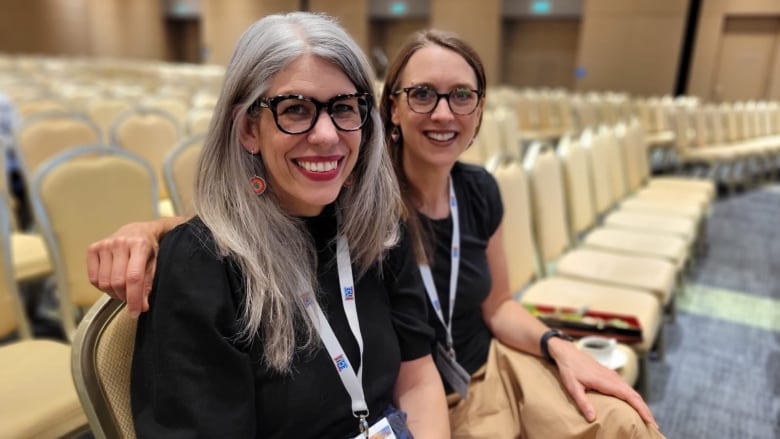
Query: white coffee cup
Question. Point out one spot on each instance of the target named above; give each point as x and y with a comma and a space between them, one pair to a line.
600, 348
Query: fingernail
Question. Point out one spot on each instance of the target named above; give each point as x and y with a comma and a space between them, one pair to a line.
134, 314
590, 416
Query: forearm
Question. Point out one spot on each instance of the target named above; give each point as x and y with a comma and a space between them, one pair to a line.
419, 392
514, 326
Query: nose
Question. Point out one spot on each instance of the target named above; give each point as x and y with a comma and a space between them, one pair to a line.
442, 109
324, 131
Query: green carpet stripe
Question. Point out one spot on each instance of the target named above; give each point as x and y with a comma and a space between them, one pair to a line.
734, 306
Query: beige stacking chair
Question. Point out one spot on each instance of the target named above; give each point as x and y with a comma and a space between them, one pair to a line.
179, 169
150, 133
527, 275
37, 397
43, 136
101, 363
30, 258
555, 246
198, 120
605, 200
582, 215
104, 110
63, 194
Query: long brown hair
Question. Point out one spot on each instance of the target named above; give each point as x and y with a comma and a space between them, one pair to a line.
417, 41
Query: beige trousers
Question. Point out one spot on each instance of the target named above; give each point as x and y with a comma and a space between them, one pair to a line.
516, 395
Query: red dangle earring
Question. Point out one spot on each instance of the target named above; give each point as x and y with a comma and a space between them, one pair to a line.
258, 184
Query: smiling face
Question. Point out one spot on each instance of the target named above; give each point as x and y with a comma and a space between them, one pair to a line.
306, 170
439, 137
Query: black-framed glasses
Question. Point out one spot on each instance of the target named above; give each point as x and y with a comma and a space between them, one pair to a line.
297, 114
423, 99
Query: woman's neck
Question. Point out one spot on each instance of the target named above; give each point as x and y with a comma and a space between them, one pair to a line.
430, 188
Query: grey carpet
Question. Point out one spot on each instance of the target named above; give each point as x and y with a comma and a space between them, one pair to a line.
721, 379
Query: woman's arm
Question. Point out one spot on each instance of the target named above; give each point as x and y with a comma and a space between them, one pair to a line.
123, 264
420, 393
514, 326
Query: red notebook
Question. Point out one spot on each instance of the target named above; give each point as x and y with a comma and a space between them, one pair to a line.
574, 322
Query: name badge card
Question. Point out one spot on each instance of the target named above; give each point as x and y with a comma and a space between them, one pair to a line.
380, 430
452, 372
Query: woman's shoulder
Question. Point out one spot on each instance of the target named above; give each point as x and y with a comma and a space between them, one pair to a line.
475, 181
190, 238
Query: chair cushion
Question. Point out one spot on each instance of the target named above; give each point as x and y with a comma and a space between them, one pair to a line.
631, 242
706, 186
678, 226
37, 395
643, 273
673, 207
558, 291
30, 256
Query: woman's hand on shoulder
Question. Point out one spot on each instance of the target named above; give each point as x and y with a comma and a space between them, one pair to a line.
122, 265
579, 373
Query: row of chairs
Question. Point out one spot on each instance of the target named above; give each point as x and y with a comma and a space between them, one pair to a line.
585, 229
36, 393
34, 257
148, 132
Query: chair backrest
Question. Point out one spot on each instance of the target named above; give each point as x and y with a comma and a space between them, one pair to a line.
104, 111
519, 245
548, 205
79, 197
593, 143
150, 133
579, 194
632, 155
179, 170
12, 314
101, 364
490, 137
29, 108
44, 136
175, 106
198, 120
615, 165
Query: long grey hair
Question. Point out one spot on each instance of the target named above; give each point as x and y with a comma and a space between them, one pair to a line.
273, 249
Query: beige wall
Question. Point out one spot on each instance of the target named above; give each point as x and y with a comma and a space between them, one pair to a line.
540, 53
352, 14
479, 23
223, 22
387, 37
44, 27
129, 29
631, 46
111, 28
712, 23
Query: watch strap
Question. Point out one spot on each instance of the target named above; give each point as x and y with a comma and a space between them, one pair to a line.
545, 340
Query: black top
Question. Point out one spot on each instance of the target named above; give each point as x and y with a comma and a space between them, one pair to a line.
479, 211
191, 379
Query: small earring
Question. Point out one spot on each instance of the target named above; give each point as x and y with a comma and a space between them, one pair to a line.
258, 184
395, 134
349, 181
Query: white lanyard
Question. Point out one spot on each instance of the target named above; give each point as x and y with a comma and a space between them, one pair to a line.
353, 382
425, 271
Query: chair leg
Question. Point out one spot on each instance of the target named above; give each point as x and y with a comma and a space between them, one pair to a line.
659, 348
642, 381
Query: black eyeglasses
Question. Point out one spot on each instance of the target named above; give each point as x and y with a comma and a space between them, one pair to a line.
296, 114
423, 99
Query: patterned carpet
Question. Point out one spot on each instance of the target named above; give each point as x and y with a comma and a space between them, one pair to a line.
721, 374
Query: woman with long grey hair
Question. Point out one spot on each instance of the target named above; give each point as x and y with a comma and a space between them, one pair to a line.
289, 305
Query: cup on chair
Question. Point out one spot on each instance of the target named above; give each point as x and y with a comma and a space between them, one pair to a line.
601, 349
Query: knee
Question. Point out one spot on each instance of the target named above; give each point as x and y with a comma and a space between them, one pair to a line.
617, 419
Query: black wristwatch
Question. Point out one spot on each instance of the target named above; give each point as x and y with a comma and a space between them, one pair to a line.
545, 340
